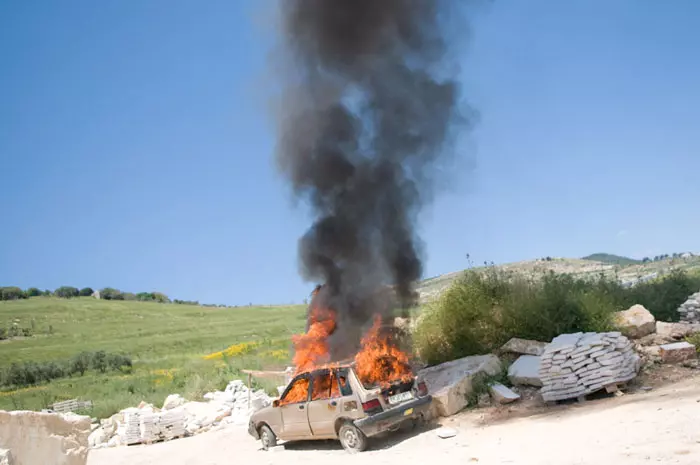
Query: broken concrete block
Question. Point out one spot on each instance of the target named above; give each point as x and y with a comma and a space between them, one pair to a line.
45, 438
525, 371
677, 352
636, 322
524, 346
502, 394
675, 330
450, 383
6, 457
173, 401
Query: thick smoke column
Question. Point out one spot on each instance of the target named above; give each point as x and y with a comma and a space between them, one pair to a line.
367, 111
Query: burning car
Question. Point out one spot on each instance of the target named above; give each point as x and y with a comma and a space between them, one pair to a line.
334, 403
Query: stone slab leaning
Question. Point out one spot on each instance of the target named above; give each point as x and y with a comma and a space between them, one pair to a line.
45, 438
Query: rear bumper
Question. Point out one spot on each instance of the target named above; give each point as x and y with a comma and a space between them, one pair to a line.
381, 422
252, 430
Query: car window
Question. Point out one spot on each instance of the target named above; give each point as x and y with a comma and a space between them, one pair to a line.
297, 392
344, 383
322, 385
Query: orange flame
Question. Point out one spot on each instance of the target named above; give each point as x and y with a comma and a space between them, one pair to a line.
378, 363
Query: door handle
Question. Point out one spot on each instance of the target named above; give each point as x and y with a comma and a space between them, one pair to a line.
333, 403
301, 407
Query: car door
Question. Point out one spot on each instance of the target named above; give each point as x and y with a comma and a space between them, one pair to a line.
323, 404
295, 419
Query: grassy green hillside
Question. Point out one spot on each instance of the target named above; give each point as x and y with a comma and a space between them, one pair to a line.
167, 342
612, 259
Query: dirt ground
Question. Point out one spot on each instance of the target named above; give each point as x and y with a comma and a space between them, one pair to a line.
648, 426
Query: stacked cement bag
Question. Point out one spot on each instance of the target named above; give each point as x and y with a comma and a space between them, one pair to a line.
574, 365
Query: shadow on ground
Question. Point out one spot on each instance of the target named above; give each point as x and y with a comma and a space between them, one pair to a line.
380, 442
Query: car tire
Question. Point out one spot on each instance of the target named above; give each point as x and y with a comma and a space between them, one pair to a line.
267, 437
351, 438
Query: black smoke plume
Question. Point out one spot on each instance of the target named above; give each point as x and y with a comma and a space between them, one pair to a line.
369, 103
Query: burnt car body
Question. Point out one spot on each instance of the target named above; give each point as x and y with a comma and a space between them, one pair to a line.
343, 409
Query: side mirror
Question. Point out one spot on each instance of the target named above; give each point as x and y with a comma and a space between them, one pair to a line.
276, 403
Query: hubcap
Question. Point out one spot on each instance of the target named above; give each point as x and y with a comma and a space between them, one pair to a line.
265, 439
351, 438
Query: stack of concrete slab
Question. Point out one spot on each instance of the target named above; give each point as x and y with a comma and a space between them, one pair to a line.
579, 364
171, 424
132, 420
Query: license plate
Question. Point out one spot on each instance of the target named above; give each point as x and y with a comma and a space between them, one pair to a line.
408, 412
401, 397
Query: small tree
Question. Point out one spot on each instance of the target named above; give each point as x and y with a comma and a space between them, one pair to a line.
99, 361
33, 292
66, 292
80, 363
144, 296
109, 293
11, 293
160, 297
86, 292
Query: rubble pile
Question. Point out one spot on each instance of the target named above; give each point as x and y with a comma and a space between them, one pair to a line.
690, 309
178, 418
574, 365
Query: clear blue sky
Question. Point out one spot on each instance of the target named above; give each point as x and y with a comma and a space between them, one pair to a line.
136, 145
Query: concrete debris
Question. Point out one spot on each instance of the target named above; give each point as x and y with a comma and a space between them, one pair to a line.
173, 401
676, 331
6, 457
636, 322
525, 371
575, 365
34, 438
450, 383
690, 310
445, 433
178, 418
677, 352
523, 347
502, 394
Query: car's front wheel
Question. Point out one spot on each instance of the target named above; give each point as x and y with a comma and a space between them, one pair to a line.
351, 438
267, 437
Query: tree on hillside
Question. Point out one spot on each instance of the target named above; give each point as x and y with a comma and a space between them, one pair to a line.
86, 292
33, 292
128, 296
160, 297
11, 293
144, 296
66, 292
109, 293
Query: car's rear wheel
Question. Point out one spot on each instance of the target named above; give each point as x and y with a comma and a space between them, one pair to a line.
267, 437
352, 439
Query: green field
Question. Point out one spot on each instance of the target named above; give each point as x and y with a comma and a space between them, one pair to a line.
167, 343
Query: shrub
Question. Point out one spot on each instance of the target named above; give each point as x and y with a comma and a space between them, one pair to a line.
160, 297
11, 293
119, 362
32, 292
128, 296
66, 292
481, 311
86, 292
98, 361
109, 293
80, 363
663, 296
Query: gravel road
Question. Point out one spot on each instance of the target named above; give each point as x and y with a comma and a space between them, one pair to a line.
659, 426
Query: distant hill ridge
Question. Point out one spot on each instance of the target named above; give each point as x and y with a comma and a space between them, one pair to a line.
612, 259
628, 270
